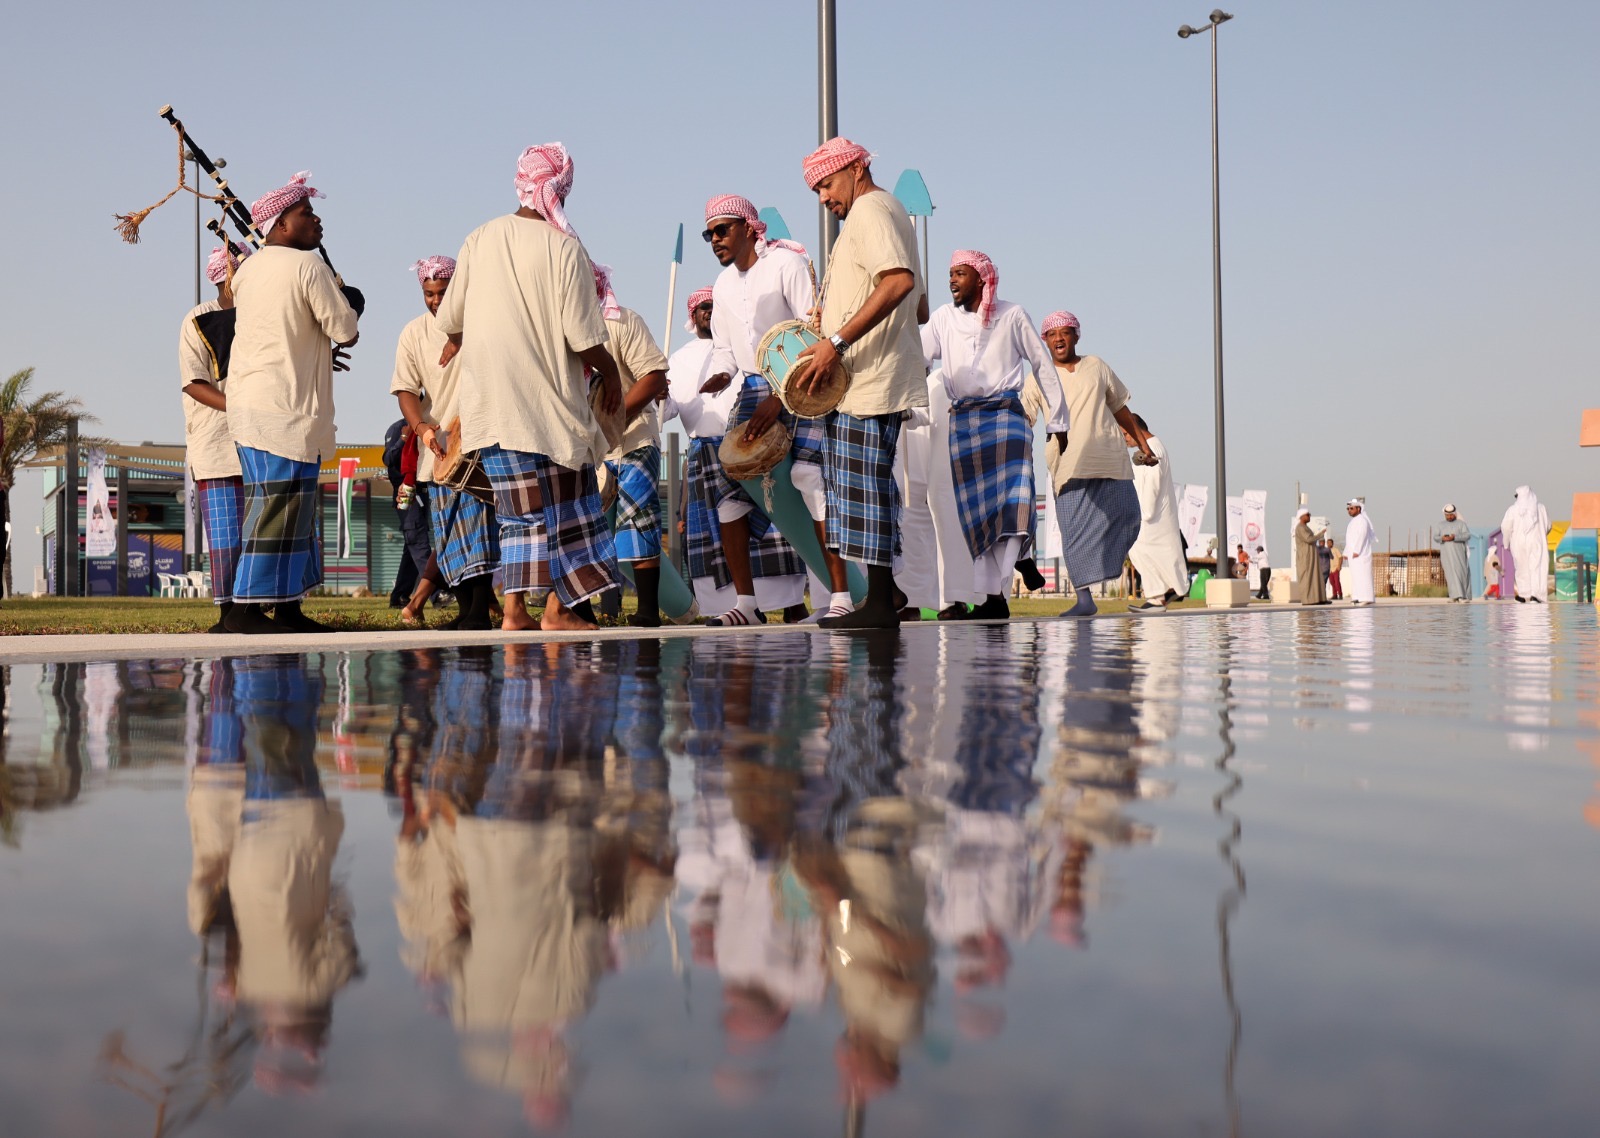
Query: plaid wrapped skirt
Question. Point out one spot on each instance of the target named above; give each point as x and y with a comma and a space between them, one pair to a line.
280, 548
222, 516
991, 461
638, 519
770, 554
553, 533
466, 534
1099, 520
863, 497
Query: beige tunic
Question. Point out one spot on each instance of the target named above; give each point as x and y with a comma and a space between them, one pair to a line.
1094, 442
417, 370
280, 376
207, 442
637, 354
887, 372
523, 299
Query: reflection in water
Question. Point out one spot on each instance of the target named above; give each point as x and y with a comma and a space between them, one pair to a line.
845, 824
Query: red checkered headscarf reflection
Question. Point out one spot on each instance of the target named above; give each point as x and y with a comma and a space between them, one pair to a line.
265, 211
980, 264
696, 298
1059, 319
543, 181
831, 157
222, 264
434, 269
732, 205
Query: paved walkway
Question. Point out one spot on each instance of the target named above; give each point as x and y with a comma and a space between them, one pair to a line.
167, 646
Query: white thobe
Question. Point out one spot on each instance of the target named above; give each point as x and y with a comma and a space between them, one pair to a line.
1158, 553
1526, 531
978, 363
938, 567
1356, 576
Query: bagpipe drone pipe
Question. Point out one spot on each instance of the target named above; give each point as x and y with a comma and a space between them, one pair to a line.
217, 328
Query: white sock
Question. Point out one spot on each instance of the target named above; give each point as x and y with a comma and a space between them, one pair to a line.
841, 601
746, 605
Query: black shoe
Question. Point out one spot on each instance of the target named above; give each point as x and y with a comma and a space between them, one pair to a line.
994, 608
222, 618
249, 620
1031, 576
645, 620
956, 611
862, 618
289, 618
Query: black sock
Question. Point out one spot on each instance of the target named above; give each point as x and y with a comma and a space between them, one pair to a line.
583, 610
880, 587
648, 584
474, 597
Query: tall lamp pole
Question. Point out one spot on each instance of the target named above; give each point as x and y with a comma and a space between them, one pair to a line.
199, 261
827, 106
1224, 559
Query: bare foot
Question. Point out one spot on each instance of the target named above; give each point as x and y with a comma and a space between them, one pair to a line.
516, 618
559, 618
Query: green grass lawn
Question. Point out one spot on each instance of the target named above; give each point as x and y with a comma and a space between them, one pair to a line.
56, 616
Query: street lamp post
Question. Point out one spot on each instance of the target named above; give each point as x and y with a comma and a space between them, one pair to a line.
1224, 561
827, 106
199, 261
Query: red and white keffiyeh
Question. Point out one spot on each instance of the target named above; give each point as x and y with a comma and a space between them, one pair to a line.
222, 264
732, 205
1058, 319
831, 157
980, 264
696, 298
543, 181
609, 306
437, 268
264, 212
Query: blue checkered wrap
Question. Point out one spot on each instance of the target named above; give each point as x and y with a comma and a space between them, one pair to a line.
466, 534
1099, 520
553, 532
222, 516
863, 498
280, 550
991, 461
277, 700
770, 554
638, 518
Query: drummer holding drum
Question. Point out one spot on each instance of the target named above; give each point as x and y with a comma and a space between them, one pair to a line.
763, 283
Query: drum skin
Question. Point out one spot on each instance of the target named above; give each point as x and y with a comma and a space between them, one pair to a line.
757, 457
778, 355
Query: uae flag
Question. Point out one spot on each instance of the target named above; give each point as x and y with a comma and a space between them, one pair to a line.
347, 496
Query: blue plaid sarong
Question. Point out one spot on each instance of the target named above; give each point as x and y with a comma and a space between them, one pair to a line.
991, 460
863, 498
277, 700
1099, 520
222, 516
638, 520
770, 554
466, 534
553, 532
280, 550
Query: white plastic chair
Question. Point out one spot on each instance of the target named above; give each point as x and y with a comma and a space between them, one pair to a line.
169, 586
198, 585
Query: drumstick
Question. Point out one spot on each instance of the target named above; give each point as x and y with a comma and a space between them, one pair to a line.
816, 298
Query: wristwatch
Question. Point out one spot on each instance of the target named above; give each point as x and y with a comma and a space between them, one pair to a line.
839, 343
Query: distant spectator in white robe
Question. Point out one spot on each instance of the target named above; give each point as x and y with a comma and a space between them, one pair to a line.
1452, 541
1359, 539
1157, 555
1526, 532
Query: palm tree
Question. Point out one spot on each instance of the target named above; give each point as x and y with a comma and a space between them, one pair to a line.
31, 425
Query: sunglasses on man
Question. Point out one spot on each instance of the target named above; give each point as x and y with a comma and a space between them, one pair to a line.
718, 231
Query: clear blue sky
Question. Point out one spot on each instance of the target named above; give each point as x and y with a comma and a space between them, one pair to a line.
1409, 192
